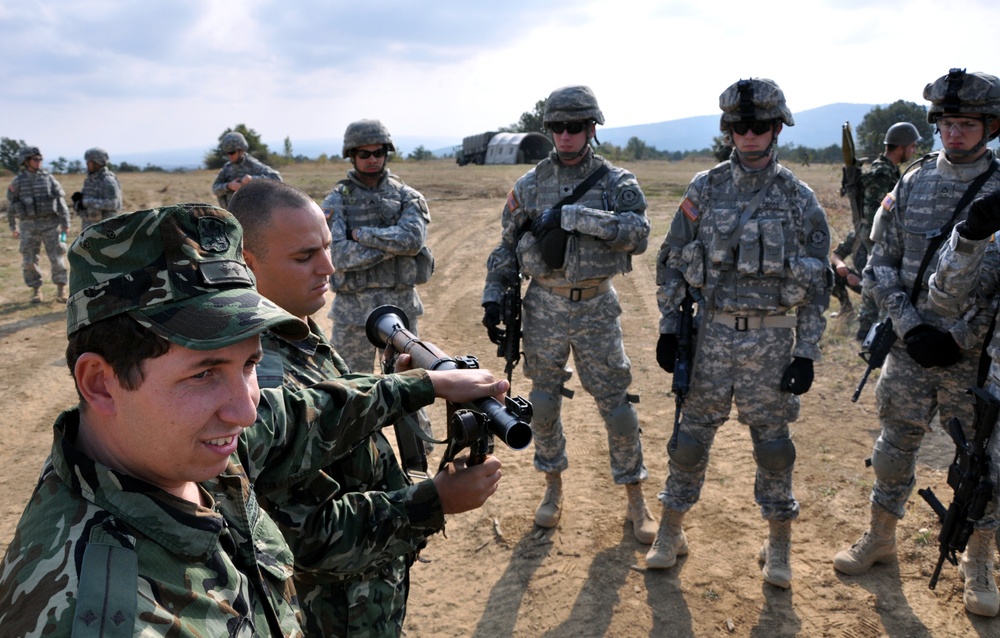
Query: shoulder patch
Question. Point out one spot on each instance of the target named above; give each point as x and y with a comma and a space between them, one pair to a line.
512, 204
629, 198
689, 209
888, 202
818, 238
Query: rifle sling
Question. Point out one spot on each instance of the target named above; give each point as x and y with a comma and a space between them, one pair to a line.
577, 193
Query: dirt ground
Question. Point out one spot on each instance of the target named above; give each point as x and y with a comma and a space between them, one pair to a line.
493, 575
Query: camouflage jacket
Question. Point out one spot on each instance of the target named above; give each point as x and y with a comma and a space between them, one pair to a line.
390, 256
355, 527
921, 204
101, 193
36, 196
606, 226
246, 166
878, 180
779, 262
100, 551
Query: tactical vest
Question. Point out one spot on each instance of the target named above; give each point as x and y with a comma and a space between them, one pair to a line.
380, 208
587, 258
37, 195
99, 185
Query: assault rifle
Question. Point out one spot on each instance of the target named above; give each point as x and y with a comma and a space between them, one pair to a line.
473, 424
969, 477
874, 350
509, 346
685, 359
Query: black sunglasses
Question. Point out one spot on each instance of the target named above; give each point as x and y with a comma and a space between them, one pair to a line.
379, 152
759, 127
570, 127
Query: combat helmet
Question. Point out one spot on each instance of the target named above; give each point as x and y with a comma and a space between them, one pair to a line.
961, 93
234, 141
364, 133
754, 99
572, 104
96, 155
901, 134
25, 152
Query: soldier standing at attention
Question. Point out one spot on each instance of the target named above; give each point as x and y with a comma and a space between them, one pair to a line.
101, 196
750, 243
240, 168
877, 180
38, 215
571, 224
352, 577
936, 357
379, 233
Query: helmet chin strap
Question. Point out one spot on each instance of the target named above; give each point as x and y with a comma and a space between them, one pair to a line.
753, 156
572, 156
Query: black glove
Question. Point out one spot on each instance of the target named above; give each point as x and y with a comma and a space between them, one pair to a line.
77, 196
549, 219
798, 377
931, 347
491, 319
984, 218
666, 352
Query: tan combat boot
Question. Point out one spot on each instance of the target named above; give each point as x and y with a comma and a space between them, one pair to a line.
643, 523
976, 567
775, 554
670, 541
36, 295
61, 293
548, 511
877, 545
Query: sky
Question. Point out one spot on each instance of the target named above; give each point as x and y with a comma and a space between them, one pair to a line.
139, 75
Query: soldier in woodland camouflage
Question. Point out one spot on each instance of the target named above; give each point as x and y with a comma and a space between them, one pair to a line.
379, 230
240, 169
936, 356
101, 195
352, 577
145, 519
37, 215
749, 242
571, 251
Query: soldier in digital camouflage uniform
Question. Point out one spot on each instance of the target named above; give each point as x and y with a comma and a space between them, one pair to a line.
571, 252
750, 243
240, 169
101, 195
936, 356
145, 520
379, 229
37, 215
878, 178
351, 574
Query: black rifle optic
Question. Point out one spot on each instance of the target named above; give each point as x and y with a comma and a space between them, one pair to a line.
473, 424
969, 477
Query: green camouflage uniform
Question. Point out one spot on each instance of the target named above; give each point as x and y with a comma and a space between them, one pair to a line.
575, 308
355, 527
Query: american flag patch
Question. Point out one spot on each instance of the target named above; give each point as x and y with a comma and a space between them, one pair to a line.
888, 201
512, 204
690, 210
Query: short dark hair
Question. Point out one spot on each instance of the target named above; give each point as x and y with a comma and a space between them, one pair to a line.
122, 342
253, 204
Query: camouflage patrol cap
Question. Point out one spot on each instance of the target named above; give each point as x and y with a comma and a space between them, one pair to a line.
233, 141
97, 155
901, 134
572, 104
753, 99
364, 133
178, 271
963, 93
26, 152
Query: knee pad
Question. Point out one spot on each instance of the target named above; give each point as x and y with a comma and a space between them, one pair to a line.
622, 421
544, 407
685, 450
776, 455
889, 468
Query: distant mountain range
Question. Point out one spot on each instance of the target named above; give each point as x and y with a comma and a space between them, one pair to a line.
814, 128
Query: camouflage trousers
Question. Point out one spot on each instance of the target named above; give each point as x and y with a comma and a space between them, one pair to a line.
745, 368
351, 342
373, 607
909, 396
553, 328
36, 233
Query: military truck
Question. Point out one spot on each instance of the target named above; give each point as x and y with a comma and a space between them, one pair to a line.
474, 149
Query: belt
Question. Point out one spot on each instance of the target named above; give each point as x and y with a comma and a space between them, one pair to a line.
742, 323
579, 294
